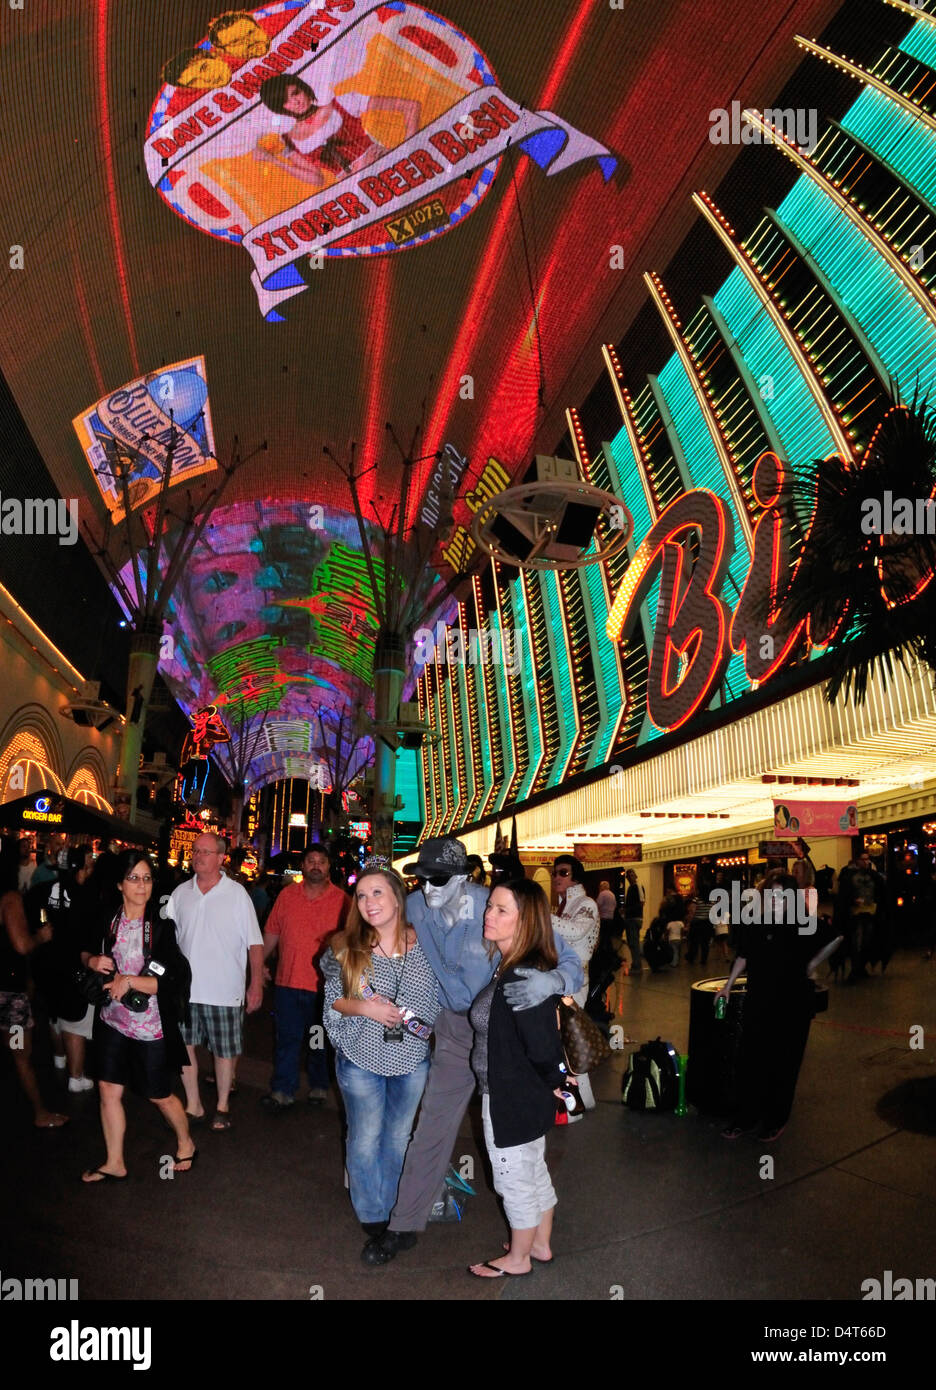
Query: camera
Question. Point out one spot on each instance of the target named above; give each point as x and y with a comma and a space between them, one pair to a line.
134, 999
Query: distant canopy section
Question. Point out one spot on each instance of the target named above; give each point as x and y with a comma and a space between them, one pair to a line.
128, 436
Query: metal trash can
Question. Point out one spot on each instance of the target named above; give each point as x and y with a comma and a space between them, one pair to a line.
715, 1046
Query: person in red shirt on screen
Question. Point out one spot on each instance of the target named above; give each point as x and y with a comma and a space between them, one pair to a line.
302, 919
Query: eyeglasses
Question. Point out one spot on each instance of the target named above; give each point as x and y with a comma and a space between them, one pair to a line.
196, 852
438, 880
137, 878
562, 873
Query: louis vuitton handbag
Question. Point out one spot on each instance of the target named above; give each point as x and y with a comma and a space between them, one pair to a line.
583, 1042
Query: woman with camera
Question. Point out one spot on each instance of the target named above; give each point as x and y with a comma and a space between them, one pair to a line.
518, 1060
380, 1004
144, 985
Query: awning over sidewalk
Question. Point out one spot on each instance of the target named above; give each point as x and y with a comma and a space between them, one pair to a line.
49, 810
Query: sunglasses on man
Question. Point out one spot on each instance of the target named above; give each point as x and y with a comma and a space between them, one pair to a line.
436, 880
562, 873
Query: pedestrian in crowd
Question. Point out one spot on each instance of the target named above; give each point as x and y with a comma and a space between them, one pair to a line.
305, 915
16, 1019
675, 910
699, 933
517, 1058
606, 903
27, 865
69, 906
780, 961
634, 901
374, 970
217, 933
476, 869
656, 947
860, 899
447, 913
139, 1047
260, 897
46, 870
722, 925
576, 923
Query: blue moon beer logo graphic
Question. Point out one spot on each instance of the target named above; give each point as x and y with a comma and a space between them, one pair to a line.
328, 128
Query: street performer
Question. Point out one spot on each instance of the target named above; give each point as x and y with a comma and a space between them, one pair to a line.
447, 912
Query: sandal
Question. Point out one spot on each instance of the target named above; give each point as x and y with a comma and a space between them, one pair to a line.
221, 1122
190, 1160
498, 1272
55, 1121
94, 1175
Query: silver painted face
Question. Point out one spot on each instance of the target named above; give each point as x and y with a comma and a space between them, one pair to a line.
444, 896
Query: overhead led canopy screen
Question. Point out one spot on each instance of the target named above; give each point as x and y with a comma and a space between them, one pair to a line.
130, 433
302, 130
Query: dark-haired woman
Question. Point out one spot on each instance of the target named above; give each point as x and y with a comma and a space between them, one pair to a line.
142, 1049
374, 970
518, 1061
16, 1020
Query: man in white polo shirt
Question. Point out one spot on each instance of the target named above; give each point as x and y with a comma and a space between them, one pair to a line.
217, 931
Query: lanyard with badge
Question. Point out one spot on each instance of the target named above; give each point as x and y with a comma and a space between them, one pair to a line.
395, 1033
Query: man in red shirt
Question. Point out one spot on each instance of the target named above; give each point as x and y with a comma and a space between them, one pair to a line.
303, 918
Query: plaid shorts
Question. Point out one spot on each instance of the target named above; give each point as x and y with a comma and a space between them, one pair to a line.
219, 1027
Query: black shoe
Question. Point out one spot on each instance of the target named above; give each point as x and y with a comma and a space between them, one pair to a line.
382, 1249
373, 1228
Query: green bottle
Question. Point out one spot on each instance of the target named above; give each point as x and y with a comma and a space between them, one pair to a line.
721, 1006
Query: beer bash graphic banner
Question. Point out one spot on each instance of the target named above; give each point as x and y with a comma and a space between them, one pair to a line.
139, 423
346, 128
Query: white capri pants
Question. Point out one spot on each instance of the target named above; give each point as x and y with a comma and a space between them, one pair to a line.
521, 1178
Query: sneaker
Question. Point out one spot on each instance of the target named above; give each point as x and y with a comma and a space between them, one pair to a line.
276, 1102
80, 1083
316, 1096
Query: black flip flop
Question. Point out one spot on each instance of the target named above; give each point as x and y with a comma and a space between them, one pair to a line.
498, 1272
106, 1177
190, 1160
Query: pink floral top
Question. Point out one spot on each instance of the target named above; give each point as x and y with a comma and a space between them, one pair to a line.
127, 954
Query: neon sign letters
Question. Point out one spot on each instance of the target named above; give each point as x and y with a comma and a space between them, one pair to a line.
695, 632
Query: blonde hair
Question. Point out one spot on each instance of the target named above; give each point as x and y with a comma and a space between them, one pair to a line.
353, 947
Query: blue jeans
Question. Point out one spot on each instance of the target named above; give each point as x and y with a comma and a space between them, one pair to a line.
380, 1112
295, 1012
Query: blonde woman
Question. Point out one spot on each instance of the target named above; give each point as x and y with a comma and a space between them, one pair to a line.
380, 1004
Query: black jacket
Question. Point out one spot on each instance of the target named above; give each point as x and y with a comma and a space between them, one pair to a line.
524, 1059
172, 993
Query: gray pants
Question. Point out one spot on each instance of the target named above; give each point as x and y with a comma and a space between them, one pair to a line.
449, 1088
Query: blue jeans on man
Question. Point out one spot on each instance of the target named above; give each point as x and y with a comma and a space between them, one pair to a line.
380, 1111
296, 1012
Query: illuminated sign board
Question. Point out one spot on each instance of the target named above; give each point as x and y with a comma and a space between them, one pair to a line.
131, 430
352, 129
695, 631
620, 853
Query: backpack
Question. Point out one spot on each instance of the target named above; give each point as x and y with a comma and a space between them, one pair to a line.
651, 1081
